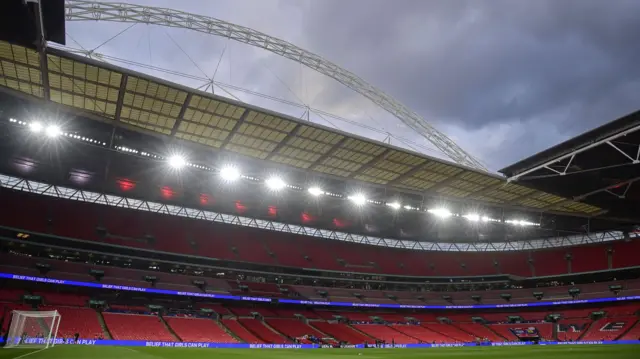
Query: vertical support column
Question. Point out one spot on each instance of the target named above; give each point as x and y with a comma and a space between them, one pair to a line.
41, 46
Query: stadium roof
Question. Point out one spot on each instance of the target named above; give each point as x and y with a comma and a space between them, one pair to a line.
149, 105
599, 168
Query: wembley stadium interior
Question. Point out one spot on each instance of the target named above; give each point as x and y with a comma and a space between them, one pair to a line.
210, 220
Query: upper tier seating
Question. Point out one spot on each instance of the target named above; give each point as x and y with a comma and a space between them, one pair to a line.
137, 327
197, 237
199, 330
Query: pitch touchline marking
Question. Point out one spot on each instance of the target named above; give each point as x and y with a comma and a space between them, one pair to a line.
24, 355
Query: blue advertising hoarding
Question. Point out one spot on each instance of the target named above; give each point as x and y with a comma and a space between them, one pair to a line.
309, 302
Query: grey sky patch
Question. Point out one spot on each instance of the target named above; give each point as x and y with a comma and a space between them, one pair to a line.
503, 78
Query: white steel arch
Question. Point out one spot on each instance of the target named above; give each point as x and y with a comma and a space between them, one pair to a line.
82, 10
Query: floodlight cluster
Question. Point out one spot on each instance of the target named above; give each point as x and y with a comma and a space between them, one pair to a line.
231, 173
53, 131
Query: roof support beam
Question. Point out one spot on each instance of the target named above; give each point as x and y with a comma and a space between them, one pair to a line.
371, 163
547, 164
487, 189
524, 196
235, 128
447, 181
123, 89
183, 109
284, 142
332, 150
608, 189
41, 46
410, 173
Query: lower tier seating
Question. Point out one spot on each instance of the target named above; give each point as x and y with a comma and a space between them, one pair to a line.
478, 330
421, 334
199, 330
83, 321
137, 327
450, 331
609, 328
341, 332
241, 332
293, 328
387, 334
261, 331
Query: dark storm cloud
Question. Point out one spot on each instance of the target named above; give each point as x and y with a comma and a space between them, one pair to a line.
561, 66
478, 62
503, 78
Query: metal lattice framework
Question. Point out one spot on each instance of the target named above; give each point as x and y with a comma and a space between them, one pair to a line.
80, 10
45, 189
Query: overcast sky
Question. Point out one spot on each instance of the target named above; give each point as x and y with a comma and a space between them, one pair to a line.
504, 79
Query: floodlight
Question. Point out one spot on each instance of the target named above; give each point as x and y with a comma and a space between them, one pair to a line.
177, 161
473, 217
35, 127
485, 219
315, 191
394, 205
229, 173
275, 183
358, 199
440, 212
53, 131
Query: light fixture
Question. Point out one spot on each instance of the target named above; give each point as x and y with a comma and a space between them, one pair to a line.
275, 183
315, 191
520, 222
52, 131
35, 127
394, 205
440, 212
177, 161
473, 217
358, 199
229, 173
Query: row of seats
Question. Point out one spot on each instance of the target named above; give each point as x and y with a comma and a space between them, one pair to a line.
85, 321
172, 281
199, 330
223, 241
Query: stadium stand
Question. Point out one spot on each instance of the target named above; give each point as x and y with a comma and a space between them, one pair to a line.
262, 332
130, 228
480, 331
83, 321
609, 328
198, 330
389, 334
341, 332
137, 327
293, 328
241, 331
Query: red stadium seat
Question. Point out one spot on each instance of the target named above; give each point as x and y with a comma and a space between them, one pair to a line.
199, 330
137, 327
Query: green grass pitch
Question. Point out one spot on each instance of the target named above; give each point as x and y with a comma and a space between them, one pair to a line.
542, 352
